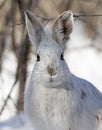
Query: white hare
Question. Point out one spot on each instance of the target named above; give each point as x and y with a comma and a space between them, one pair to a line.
54, 98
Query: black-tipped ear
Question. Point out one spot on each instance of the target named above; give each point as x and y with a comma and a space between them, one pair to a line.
35, 30
62, 27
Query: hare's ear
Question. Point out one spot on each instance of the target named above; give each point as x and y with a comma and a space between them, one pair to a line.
35, 30
62, 27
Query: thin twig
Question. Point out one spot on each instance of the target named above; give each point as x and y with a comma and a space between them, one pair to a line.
3, 3
16, 24
87, 15
75, 16
3, 107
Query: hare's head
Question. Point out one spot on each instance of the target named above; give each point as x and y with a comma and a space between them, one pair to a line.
49, 47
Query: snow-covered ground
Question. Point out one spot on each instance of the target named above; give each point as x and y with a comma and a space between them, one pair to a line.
83, 61
18, 122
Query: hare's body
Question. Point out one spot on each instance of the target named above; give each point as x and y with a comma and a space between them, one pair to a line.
54, 98
48, 108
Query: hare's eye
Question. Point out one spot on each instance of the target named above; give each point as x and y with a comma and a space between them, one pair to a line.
62, 56
38, 57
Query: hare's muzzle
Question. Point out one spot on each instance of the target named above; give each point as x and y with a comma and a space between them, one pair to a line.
51, 71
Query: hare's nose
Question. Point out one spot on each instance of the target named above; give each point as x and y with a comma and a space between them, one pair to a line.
51, 71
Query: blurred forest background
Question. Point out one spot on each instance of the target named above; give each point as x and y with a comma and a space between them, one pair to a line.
13, 33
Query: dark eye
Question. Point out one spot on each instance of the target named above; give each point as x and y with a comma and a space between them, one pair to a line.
62, 56
38, 57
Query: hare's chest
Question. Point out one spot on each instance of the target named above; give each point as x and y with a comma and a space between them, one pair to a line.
54, 108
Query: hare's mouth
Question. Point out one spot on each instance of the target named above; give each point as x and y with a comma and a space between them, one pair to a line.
51, 79
54, 78
53, 82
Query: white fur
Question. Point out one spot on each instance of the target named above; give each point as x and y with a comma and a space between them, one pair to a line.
62, 101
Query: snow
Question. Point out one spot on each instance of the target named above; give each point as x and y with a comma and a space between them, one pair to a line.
83, 61
18, 122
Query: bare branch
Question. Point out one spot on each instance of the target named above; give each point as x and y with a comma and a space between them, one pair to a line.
3, 3
5, 103
16, 24
87, 15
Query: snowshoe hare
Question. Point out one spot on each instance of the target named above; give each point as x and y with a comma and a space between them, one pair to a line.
55, 99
